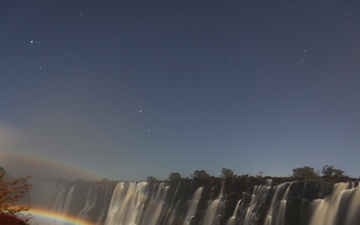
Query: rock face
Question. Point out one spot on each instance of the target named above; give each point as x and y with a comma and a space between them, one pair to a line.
10, 220
252, 201
213, 201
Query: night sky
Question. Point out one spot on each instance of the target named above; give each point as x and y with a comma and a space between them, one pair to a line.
128, 89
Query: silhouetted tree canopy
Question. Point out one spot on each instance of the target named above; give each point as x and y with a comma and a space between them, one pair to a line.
305, 172
174, 176
151, 179
330, 171
227, 173
200, 174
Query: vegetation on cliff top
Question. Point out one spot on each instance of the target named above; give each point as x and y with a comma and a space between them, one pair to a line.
328, 172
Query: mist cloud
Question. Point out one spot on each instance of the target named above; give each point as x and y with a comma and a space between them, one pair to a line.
9, 135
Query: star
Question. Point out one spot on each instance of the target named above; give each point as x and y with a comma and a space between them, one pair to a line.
35, 42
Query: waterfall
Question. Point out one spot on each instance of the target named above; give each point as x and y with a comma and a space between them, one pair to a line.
341, 207
127, 204
277, 209
89, 204
55, 197
259, 196
171, 218
155, 207
86, 201
68, 200
232, 219
193, 204
200, 202
96, 204
213, 210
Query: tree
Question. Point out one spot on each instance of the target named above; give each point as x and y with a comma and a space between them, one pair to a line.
305, 172
200, 174
104, 180
174, 176
260, 175
330, 171
227, 173
11, 193
151, 179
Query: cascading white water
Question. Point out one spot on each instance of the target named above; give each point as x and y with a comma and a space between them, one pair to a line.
155, 207
95, 204
89, 204
62, 199
68, 200
193, 204
259, 196
212, 210
86, 201
141, 204
58, 204
277, 209
171, 214
232, 219
341, 207
55, 197
127, 204
353, 215
171, 219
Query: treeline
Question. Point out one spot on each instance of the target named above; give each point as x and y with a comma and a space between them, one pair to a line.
328, 172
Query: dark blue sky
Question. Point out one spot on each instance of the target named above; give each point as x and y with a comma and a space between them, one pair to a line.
128, 89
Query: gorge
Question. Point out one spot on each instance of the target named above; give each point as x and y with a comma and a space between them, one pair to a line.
213, 201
